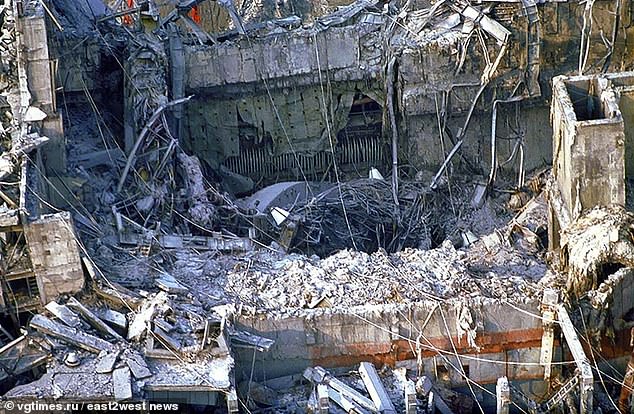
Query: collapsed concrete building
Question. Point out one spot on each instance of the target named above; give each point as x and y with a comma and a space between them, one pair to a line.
251, 207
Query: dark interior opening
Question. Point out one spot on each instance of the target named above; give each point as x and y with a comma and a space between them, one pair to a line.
585, 100
607, 269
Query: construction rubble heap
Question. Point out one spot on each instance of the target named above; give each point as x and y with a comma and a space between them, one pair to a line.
365, 206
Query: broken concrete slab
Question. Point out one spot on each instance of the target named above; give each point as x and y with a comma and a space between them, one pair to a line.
64, 314
137, 364
116, 319
169, 284
166, 340
142, 318
122, 384
106, 362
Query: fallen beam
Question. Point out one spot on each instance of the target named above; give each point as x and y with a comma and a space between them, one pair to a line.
93, 319
318, 375
344, 402
246, 339
64, 314
69, 335
375, 388
114, 318
174, 241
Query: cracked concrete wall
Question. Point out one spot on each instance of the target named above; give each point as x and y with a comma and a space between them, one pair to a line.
386, 334
282, 60
55, 255
588, 144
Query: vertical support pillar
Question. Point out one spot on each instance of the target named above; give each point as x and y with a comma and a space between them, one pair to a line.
549, 302
177, 68
503, 395
410, 397
232, 401
35, 62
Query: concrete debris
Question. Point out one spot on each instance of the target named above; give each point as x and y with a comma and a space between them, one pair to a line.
64, 314
276, 283
115, 366
121, 383
595, 245
92, 319
69, 335
375, 388
106, 362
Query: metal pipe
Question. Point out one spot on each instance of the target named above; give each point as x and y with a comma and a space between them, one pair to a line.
390, 108
494, 161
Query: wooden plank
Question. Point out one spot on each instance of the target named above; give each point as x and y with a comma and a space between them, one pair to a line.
92, 319
64, 314
106, 362
375, 388
122, 384
70, 335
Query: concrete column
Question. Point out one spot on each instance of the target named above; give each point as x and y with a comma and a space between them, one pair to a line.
503, 395
34, 57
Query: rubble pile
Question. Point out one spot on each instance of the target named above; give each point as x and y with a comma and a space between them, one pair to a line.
596, 245
140, 228
101, 352
363, 389
277, 283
